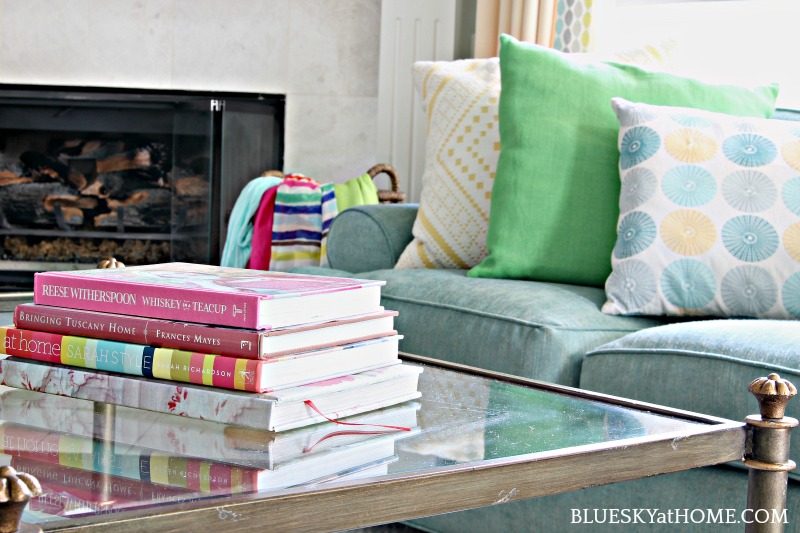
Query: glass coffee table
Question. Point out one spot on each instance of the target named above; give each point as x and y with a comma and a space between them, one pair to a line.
475, 439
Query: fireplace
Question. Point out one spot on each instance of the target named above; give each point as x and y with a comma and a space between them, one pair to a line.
141, 175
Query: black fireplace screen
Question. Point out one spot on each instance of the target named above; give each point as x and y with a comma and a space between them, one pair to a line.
142, 176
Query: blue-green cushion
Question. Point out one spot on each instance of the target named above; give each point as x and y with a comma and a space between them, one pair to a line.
703, 366
786, 114
370, 237
531, 329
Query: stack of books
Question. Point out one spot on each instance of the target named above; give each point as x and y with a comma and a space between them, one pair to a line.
265, 350
258, 364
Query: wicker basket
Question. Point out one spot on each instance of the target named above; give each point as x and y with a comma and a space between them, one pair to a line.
393, 196
275, 173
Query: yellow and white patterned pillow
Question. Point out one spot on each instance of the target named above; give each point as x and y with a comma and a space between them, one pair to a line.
463, 143
460, 99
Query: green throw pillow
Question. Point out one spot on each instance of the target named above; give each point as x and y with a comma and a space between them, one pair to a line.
555, 201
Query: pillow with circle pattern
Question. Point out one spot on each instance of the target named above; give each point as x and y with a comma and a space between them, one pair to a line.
709, 218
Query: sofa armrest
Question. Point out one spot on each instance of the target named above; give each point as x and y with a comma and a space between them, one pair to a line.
370, 237
695, 365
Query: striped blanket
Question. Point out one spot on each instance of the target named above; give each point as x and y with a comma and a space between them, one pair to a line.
304, 210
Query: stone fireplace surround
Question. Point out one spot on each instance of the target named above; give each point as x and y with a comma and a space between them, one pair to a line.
322, 54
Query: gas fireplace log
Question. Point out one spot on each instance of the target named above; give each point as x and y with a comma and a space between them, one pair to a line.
87, 149
191, 186
113, 156
10, 179
150, 155
126, 161
70, 200
119, 185
67, 216
149, 208
9, 172
44, 168
190, 211
24, 204
70, 206
13, 173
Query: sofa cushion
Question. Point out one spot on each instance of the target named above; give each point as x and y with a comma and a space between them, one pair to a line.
708, 220
370, 237
460, 99
703, 366
535, 330
461, 148
555, 198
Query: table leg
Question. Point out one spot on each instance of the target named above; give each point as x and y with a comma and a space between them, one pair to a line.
103, 432
767, 456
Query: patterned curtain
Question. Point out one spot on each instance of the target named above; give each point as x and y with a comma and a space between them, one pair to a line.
573, 22
527, 20
560, 24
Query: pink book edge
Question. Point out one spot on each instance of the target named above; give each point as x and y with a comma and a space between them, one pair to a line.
224, 306
219, 340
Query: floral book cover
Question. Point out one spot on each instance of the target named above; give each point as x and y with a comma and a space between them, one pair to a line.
245, 409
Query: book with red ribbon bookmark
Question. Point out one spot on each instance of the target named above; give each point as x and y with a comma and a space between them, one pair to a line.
280, 410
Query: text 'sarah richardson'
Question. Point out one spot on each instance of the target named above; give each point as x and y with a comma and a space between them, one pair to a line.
254, 375
96, 355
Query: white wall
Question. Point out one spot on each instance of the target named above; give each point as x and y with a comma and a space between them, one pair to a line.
411, 31
753, 41
323, 54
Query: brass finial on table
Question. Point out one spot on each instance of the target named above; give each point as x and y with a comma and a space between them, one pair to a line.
110, 262
772, 393
16, 490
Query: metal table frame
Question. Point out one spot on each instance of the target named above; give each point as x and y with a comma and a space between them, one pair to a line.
762, 442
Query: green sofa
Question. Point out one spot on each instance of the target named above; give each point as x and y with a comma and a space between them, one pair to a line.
557, 333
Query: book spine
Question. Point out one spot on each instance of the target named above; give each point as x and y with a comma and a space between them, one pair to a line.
139, 330
175, 303
134, 359
197, 474
139, 464
217, 405
96, 487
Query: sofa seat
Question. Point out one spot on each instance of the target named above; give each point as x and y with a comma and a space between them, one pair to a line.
525, 328
542, 330
708, 365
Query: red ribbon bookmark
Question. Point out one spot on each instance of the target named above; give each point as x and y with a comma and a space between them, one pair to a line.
308, 449
351, 432
314, 407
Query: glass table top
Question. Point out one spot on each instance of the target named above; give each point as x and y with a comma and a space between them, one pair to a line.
94, 459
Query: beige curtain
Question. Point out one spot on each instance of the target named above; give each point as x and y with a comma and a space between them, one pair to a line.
527, 20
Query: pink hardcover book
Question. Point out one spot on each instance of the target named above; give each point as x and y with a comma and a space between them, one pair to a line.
208, 294
204, 338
